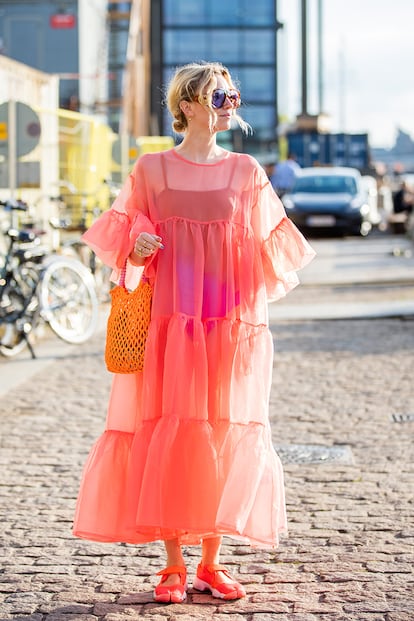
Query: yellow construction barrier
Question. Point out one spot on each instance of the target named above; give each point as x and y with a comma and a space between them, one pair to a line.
153, 144
85, 165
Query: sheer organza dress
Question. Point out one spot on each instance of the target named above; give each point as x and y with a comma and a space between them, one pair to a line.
187, 450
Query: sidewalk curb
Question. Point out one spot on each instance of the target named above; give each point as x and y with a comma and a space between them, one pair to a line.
321, 312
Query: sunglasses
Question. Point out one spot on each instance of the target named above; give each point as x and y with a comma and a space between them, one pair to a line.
219, 96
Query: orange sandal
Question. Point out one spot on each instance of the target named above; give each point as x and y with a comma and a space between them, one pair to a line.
206, 580
174, 593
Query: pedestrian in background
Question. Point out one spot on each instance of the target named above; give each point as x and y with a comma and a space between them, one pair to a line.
403, 199
187, 453
284, 175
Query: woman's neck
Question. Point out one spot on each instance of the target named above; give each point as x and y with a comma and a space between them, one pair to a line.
200, 150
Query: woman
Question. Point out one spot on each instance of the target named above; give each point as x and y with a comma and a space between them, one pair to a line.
187, 455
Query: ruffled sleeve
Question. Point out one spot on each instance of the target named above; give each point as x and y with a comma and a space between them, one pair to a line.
113, 234
283, 248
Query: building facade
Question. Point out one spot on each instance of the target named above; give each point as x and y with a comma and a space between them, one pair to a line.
239, 33
44, 35
66, 38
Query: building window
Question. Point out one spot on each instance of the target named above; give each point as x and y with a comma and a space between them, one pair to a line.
184, 46
219, 13
257, 84
183, 12
241, 12
231, 47
261, 119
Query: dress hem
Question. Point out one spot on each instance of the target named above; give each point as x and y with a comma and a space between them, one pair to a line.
188, 539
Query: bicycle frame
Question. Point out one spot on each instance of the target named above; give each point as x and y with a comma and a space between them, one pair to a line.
19, 280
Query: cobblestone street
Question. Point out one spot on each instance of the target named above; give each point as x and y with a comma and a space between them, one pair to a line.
342, 412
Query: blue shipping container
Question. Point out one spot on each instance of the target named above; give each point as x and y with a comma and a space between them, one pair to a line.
312, 149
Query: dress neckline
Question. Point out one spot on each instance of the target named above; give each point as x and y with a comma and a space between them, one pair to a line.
217, 163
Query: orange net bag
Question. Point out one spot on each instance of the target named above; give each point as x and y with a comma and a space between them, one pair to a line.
127, 327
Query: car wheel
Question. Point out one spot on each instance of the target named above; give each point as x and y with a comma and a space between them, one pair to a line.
365, 228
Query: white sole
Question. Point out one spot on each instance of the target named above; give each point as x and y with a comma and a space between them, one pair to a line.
200, 585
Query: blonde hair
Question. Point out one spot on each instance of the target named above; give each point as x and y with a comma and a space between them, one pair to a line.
192, 82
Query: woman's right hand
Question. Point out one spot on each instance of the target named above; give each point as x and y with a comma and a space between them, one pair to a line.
146, 244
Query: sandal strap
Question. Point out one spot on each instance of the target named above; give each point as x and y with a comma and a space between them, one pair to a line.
173, 569
214, 568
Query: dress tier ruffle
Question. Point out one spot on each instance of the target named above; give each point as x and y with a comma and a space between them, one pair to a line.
187, 451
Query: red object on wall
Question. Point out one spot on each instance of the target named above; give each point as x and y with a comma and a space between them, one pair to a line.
62, 20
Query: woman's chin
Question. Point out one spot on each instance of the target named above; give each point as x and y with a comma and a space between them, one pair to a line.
222, 125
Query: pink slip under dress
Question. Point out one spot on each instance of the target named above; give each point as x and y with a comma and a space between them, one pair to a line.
187, 450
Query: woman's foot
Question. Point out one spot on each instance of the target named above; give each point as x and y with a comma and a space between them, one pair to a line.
217, 580
173, 585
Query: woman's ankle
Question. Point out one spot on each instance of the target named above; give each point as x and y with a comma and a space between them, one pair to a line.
174, 553
175, 562
210, 551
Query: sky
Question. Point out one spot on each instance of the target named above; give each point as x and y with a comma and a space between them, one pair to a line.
367, 68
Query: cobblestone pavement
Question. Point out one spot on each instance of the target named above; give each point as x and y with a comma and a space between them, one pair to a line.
350, 551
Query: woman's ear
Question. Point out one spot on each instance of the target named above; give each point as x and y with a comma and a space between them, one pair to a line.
186, 108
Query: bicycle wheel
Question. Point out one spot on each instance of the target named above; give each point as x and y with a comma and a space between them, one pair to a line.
68, 300
19, 312
79, 250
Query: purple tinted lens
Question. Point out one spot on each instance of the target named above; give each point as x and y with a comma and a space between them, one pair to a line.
219, 97
234, 97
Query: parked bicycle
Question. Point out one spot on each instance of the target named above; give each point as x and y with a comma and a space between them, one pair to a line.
37, 286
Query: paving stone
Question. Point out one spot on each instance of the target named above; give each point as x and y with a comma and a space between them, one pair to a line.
394, 568
136, 598
102, 608
65, 608
29, 617
88, 596
283, 617
27, 602
130, 613
218, 617
379, 606
58, 616
247, 607
316, 607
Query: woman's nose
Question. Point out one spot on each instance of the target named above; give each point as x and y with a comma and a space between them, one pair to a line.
227, 102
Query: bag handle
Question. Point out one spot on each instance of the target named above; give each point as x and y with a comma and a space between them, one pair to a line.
123, 276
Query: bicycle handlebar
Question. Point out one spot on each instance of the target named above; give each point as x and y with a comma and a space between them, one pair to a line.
14, 204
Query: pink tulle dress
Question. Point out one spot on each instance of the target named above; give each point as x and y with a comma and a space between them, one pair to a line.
187, 450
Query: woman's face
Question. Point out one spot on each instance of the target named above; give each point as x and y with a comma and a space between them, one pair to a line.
222, 118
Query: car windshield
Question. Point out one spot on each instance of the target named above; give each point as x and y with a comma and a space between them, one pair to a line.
325, 184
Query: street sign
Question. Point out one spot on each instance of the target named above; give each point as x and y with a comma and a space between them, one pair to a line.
131, 151
62, 20
27, 129
3, 131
